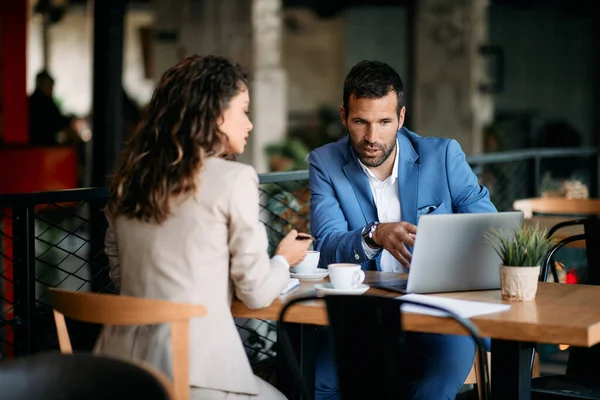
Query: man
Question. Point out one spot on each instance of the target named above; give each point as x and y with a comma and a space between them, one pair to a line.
45, 119
367, 193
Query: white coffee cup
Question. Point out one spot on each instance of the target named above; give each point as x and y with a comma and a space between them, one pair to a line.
345, 276
309, 264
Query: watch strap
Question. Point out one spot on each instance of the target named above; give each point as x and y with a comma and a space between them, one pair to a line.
367, 235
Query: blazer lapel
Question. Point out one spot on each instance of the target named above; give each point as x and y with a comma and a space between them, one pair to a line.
408, 179
360, 183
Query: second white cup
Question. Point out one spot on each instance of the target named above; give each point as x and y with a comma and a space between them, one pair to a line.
345, 276
309, 264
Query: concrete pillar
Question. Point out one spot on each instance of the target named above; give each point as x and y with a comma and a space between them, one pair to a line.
449, 70
269, 84
167, 24
245, 31
219, 27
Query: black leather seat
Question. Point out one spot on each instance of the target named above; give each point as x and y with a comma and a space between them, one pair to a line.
356, 320
76, 377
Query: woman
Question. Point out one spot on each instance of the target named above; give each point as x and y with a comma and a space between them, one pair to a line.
184, 226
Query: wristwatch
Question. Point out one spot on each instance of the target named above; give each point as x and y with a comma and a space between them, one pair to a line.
367, 234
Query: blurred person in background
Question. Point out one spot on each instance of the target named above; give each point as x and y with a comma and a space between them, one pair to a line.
47, 125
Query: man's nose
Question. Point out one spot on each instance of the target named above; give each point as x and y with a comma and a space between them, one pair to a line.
371, 135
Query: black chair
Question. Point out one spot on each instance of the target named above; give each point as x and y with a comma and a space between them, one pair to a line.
582, 379
591, 235
58, 376
374, 324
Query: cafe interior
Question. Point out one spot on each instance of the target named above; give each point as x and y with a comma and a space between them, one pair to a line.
514, 82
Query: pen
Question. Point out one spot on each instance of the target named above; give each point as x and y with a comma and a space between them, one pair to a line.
304, 236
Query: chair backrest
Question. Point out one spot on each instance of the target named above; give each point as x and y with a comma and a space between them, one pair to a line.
558, 206
582, 361
591, 228
79, 376
110, 309
368, 338
591, 236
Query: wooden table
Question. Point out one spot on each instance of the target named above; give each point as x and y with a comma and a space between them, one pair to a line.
560, 314
562, 233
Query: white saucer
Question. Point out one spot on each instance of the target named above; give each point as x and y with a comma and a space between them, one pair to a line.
320, 273
327, 288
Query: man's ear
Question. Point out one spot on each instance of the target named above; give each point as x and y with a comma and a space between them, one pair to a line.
343, 116
401, 117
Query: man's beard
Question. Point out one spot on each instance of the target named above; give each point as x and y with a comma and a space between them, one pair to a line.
369, 161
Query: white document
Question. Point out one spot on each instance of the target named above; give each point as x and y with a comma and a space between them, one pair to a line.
292, 284
463, 308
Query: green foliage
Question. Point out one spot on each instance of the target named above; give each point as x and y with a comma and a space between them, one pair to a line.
291, 149
527, 247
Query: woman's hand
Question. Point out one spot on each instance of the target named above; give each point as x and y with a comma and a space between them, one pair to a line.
294, 247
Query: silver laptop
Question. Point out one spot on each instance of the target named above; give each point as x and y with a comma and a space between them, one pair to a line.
451, 253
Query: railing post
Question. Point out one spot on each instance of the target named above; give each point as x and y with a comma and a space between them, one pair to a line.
597, 191
98, 225
7, 289
24, 276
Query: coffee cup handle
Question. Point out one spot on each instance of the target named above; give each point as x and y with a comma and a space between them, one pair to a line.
359, 278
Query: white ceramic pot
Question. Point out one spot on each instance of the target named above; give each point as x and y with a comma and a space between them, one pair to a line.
519, 283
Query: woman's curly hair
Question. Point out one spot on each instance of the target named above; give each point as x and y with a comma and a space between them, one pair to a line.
178, 130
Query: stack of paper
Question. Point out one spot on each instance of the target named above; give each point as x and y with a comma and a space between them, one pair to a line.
463, 308
292, 284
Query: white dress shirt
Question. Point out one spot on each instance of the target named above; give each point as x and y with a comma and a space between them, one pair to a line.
387, 201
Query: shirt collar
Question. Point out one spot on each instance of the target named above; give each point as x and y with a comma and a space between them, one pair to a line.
394, 174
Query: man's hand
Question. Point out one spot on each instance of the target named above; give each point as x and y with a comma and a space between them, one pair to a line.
394, 237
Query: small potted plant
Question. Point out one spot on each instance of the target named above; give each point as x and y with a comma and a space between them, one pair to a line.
522, 253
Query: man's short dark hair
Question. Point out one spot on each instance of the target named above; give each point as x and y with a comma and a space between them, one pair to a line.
372, 80
43, 76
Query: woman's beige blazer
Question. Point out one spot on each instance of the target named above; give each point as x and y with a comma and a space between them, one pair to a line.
212, 246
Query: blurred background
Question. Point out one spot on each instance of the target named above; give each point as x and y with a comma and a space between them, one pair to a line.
496, 75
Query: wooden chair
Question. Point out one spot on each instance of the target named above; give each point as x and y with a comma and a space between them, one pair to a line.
472, 378
558, 206
109, 309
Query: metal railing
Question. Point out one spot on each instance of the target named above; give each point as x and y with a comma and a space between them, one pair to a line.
520, 174
55, 239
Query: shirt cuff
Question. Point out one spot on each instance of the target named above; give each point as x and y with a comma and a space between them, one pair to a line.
281, 259
369, 252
